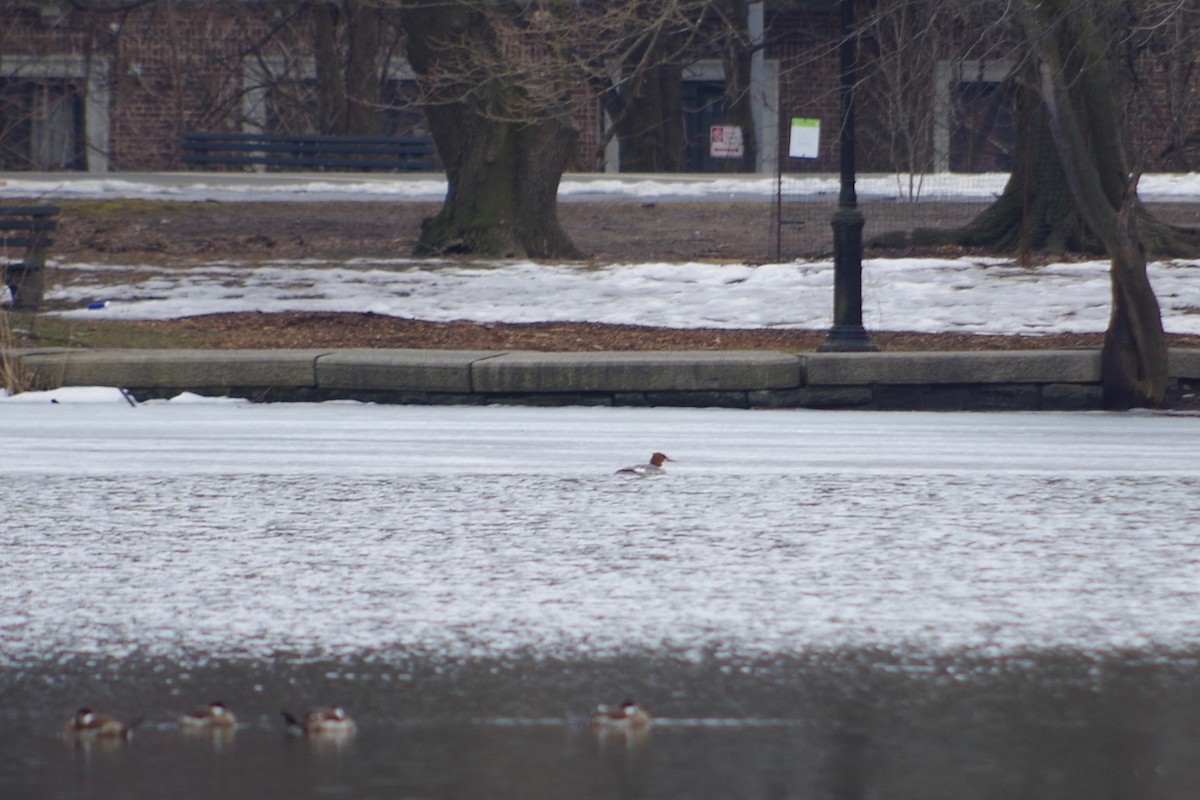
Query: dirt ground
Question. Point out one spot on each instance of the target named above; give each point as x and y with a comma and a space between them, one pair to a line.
181, 234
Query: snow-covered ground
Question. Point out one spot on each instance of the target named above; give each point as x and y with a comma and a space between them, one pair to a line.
978, 295
934, 295
233, 187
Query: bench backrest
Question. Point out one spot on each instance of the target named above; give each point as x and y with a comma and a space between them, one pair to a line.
310, 151
27, 226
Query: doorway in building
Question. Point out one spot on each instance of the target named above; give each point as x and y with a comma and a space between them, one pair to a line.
984, 132
702, 109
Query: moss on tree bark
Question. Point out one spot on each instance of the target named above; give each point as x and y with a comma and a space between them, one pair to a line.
503, 162
1036, 212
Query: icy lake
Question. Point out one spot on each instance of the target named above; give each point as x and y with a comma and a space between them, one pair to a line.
815, 604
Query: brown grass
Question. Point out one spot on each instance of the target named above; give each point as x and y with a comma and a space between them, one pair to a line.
14, 378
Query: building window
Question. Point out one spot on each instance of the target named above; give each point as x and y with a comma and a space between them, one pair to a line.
283, 99
41, 125
703, 95
703, 107
974, 116
54, 113
983, 134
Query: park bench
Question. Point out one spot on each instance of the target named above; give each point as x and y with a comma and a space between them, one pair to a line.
285, 151
26, 228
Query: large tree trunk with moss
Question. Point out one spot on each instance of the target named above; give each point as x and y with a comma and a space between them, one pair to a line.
1078, 86
1036, 213
503, 165
502, 197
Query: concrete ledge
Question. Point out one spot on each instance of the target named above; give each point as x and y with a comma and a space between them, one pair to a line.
690, 371
1184, 363
1016, 366
174, 369
978, 381
399, 370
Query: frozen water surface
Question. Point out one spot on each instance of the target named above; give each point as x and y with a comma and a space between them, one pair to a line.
344, 528
960, 605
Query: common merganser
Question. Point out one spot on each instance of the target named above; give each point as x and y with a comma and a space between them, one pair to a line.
87, 724
654, 467
321, 721
627, 716
216, 715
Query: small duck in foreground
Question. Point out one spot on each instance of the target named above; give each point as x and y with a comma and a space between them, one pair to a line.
627, 716
216, 715
321, 721
87, 724
654, 467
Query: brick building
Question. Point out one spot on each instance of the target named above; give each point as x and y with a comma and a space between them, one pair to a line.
115, 88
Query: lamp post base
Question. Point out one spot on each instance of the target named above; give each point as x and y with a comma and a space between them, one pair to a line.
847, 339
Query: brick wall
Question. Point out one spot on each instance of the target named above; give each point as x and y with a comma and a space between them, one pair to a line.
809, 84
171, 68
164, 73
174, 75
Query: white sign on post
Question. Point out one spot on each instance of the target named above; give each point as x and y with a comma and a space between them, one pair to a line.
725, 141
806, 138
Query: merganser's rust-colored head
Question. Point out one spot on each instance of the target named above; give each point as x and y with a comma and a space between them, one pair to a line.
654, 465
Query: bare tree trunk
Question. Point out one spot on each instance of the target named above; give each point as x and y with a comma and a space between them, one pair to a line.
331, 86
347, 70
363, 27
1036, 211
502, 170
737, 55
503, 177
1134, 358
649, 121
647, 112
899, 96
1078, 88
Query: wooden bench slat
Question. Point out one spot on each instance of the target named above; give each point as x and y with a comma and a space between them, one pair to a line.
27, 224
316, 138
34, 224
404, 150
309, 150
29, 211
311, 162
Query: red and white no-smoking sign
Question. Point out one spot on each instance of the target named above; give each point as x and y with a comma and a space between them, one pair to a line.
725, 141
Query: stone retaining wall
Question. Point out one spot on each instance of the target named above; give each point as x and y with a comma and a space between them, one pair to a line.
1057, 380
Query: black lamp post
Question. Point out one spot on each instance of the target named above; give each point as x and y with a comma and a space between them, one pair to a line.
847, 332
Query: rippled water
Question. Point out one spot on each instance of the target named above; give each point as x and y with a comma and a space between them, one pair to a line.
912, 602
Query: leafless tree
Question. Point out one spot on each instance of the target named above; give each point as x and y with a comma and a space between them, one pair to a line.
500, 82
1077, 79
1074, 179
